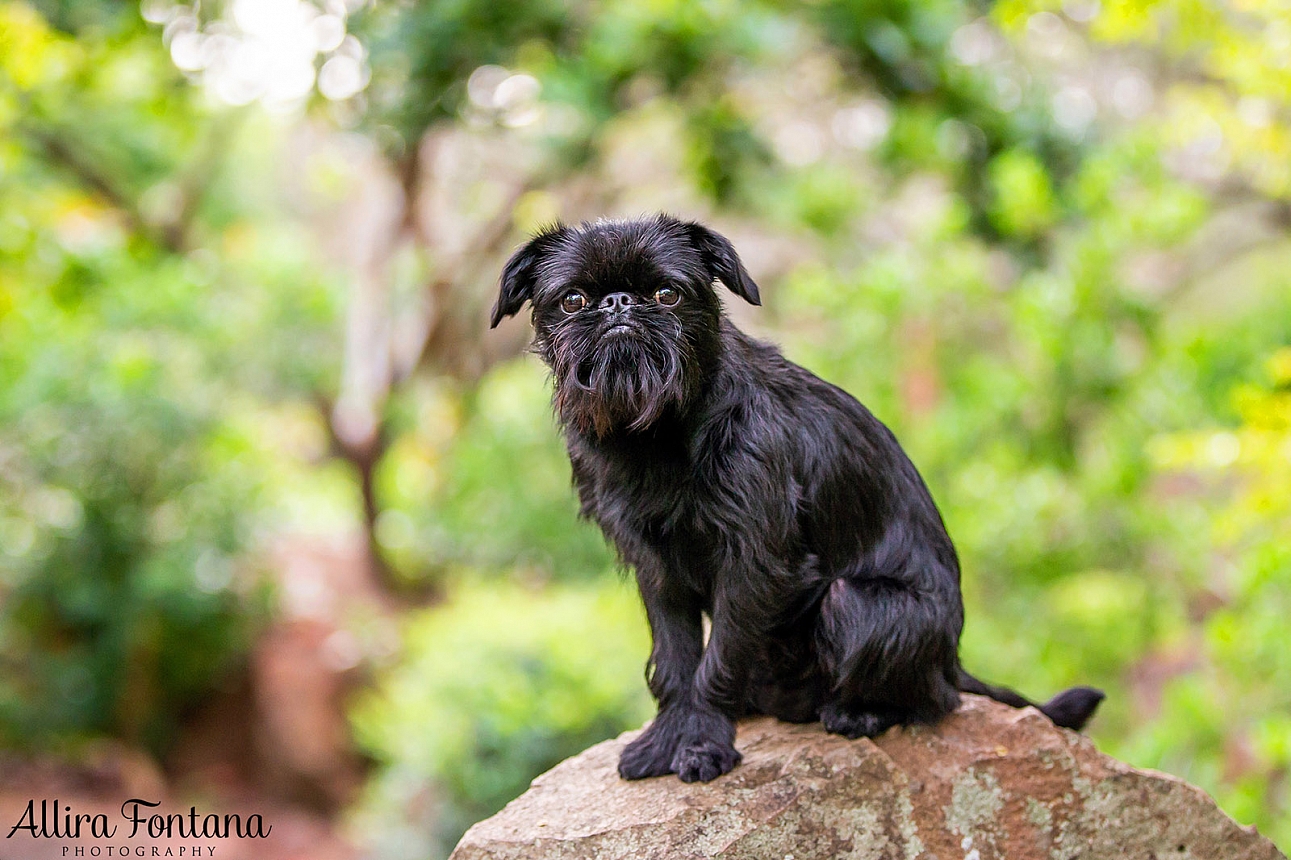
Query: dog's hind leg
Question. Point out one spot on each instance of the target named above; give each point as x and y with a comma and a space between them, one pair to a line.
786, 680
889, 652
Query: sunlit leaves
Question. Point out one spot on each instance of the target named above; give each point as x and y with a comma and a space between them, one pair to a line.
1227, 84
1249, 469
32, 55
1022, 199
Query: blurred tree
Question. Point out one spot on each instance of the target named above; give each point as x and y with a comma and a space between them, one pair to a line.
120, 541
131, 480
438, 67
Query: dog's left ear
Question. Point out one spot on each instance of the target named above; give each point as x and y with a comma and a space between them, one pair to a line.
521, 273
723, 263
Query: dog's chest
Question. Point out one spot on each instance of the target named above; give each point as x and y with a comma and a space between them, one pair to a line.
660, 499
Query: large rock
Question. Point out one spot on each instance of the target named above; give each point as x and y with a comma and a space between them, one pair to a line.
987, 782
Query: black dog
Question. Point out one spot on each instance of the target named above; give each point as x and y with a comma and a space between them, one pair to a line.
738, 485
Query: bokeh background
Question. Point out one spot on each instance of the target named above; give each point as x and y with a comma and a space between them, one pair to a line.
283, 524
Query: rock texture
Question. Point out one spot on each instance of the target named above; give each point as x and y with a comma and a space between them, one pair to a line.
988, 782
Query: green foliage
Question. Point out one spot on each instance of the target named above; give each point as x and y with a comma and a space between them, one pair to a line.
497, 685
1241, 752
126, 504
132, 470
481, 479
119, 541
423, 56
120, 607
949, 116
1022, 198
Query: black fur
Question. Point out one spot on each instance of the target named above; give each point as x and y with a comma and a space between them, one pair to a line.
739, 486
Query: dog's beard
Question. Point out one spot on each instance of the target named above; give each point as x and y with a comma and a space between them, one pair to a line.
626, 381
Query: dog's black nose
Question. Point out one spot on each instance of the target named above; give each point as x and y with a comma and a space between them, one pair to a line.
616, 302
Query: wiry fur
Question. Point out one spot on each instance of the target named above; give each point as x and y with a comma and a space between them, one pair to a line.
740, 486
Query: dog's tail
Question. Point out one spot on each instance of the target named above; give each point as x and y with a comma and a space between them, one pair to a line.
1070, 709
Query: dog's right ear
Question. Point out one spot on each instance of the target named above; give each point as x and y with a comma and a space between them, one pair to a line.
521, 273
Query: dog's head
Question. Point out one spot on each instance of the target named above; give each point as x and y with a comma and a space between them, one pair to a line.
624, 314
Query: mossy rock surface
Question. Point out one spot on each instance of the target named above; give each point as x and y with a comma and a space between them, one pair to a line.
987, 782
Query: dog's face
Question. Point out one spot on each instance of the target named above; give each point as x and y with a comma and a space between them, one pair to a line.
624, 314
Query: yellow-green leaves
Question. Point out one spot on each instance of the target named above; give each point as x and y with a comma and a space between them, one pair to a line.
31, 54
1023, 203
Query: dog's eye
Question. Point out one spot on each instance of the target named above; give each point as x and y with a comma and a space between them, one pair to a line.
573, 302
666, 296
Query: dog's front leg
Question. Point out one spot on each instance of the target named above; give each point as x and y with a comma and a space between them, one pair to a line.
690, 736
706, 750
749, 598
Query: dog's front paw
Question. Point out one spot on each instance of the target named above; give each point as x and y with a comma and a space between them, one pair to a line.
649, 755
704, 761
697, 744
